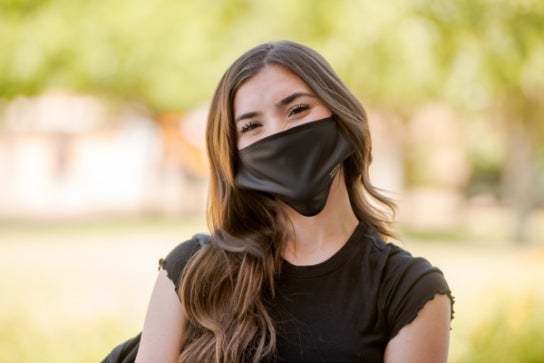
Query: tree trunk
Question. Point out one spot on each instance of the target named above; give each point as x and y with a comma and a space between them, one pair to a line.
519, 179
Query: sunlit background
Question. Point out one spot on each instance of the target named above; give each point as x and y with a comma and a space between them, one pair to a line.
103, 170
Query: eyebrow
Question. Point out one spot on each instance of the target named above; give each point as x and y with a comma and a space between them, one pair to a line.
246, 116
285, 101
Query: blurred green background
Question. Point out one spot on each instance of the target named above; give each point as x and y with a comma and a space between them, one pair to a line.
102, 168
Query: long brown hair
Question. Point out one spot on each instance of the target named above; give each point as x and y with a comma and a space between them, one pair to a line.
227, 284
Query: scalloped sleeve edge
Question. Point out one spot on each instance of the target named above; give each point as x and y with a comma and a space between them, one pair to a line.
428, 297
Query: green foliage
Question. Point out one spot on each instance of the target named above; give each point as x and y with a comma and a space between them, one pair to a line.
491, 53
512, 333
157, 52
169, 54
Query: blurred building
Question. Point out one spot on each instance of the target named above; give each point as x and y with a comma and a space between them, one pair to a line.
423, 164
70, 156
65, 155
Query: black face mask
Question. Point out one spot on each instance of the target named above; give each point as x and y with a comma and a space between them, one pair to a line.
296, 166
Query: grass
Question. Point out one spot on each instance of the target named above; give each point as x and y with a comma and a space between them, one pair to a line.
511, 332
71, 292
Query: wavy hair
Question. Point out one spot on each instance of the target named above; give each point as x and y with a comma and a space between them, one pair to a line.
226, 286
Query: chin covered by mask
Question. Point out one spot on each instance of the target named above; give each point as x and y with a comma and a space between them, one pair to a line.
296, 166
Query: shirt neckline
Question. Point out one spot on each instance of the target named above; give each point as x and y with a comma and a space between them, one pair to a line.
330, 264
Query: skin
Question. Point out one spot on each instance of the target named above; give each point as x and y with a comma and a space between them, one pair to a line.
163, 326
275, 100
426, 338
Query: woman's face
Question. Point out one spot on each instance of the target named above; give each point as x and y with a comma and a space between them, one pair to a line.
274, 100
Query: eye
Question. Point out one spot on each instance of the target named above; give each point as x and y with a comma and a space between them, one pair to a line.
297, 109
248, 126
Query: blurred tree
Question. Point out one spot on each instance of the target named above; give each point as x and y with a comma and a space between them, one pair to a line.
169, 54
383, 50
164, 53
492, 56
383, 53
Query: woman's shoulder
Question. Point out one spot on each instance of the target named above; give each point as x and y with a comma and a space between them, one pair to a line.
400, 273
179, 256
406, 282
393, 257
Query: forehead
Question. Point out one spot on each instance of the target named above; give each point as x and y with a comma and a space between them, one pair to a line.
267, 87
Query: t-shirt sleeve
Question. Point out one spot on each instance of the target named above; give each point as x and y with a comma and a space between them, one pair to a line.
177, 259
411, 282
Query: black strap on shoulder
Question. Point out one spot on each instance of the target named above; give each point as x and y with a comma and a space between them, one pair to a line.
124, 352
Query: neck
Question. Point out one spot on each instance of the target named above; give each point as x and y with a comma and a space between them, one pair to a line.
317, 238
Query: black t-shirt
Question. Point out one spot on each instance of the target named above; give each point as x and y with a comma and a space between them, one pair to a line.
347, 308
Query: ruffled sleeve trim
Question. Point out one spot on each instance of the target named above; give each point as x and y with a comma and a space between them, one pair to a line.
430, 296
174, 263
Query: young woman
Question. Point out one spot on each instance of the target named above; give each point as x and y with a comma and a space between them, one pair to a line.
296, 269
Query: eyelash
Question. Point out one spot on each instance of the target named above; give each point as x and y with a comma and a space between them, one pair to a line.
249, 126
298, 109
